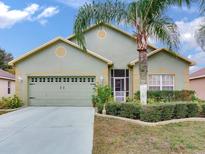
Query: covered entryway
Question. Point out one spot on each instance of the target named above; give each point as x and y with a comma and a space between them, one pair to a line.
61, 91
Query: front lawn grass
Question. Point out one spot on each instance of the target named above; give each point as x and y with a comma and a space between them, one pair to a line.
114, 136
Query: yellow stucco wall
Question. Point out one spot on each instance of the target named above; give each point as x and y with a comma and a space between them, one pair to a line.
46, 63
163, 63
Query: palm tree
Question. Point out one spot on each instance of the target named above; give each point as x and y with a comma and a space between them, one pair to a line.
146, 17
200, 34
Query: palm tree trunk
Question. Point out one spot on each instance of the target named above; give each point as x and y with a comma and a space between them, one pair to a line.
143, 69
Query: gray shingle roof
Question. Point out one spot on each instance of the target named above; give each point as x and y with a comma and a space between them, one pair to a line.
6, 75
198, 74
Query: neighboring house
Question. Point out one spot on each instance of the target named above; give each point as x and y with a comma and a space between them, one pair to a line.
7, 84
61, 73
197, 82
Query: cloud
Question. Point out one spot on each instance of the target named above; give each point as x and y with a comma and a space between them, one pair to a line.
74, 3
193, 69
10, 17
188, 30
189, 45
47, 13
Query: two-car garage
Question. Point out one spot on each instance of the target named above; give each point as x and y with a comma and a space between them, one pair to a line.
59, 73
61, 90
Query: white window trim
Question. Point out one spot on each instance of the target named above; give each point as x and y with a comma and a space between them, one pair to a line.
161, 85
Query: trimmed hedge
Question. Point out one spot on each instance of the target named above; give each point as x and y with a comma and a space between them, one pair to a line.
168, 96
127, 110
150, 113
167, 111
193, 110
203, 109
180, 110
154, 113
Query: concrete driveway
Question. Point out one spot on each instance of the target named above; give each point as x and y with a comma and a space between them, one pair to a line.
47, 130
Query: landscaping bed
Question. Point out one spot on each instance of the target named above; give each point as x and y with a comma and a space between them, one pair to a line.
112, 136
10, 103
162, 105
157, 112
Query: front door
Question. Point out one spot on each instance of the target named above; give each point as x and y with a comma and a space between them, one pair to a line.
119, 89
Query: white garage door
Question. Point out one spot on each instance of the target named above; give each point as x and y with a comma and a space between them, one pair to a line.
61, 91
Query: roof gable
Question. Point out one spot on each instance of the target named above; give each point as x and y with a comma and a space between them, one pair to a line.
113, 28
132, 63
32, 52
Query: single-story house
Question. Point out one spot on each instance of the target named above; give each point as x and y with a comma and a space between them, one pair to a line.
61, 73
197, 82
7, 84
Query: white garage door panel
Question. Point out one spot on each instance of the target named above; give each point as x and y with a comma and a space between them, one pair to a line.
61, 91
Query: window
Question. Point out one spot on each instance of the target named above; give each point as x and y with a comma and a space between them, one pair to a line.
161, 82
9, 87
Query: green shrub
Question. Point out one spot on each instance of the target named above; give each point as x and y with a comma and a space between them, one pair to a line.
102, 94
3, 103
167, 111
180, 110
127, 110
150, 113
167, 96
99, 107
113, 109
154, 113
203, 109
192, 109
10, 102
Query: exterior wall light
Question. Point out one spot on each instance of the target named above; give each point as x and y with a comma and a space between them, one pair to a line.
101, 79
20, 79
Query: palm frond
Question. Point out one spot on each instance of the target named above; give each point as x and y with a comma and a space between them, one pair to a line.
200, 37
202, 6
164, 29
97, 12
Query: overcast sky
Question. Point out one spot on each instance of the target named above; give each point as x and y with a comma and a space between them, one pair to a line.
26, 25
